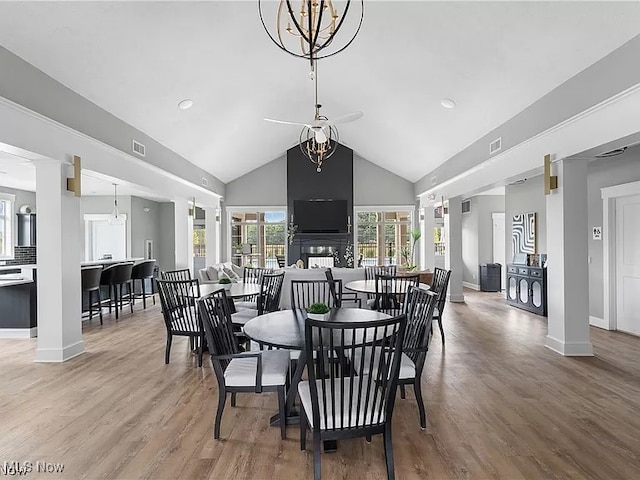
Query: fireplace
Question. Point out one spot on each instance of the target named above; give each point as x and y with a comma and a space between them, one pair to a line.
318, 255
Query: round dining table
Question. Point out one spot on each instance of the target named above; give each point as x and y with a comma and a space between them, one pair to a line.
369, 286
286, 329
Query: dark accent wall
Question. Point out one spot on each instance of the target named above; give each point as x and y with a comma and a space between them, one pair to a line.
335, 181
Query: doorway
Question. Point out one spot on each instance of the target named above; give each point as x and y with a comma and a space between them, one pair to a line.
628, 264
499, 254
104, 240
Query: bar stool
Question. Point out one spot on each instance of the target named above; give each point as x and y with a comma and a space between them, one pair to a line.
115, 276
144, 271
90, 280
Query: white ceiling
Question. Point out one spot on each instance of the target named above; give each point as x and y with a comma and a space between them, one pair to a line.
139, 59
16, 172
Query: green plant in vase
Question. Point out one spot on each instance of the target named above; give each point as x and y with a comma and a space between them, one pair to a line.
408, 254
225, 282
318, 311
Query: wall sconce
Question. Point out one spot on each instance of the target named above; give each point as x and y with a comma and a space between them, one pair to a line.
550, 181
74, 183
192, 209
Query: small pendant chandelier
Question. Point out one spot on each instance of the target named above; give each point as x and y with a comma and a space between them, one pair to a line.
115, 218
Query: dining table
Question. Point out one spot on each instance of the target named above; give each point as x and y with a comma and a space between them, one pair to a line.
369, 286
285, 329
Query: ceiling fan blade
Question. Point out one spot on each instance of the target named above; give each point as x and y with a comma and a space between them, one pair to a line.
349, 117
286, 122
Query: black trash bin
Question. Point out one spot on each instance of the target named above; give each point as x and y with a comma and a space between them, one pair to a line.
490, 277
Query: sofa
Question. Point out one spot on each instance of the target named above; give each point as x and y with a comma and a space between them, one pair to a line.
213, 273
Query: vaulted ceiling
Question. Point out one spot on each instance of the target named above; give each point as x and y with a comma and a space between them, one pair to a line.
137, 60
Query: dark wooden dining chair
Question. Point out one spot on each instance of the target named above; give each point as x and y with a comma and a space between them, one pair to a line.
181, 274
307, 292
370, 273
257, 372
350, 404
391, 292
180, 312
340, 298
251, 275
439, 285
268, 299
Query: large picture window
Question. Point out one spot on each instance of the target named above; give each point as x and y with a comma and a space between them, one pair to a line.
383, 237
6, 223
258, 238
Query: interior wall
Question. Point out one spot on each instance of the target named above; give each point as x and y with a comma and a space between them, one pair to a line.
477, 235
605, 173
144, 226
166, 255
373, 185
525, 198
266, 185
103, 204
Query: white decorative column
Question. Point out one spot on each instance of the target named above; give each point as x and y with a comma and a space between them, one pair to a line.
211, 226
427, 246
59, 237
567, 269
453, 248
183, 234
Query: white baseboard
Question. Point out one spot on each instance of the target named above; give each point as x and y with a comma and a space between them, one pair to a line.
57, 355
598, 322
18, 332
569, 349
472, 286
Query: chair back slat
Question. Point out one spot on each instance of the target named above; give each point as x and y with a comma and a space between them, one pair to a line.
178, 300
335, 286
254, 274
308, 292
270, 292
391, 292
421, 303
439, 285
182, 274
347, 398
218, 327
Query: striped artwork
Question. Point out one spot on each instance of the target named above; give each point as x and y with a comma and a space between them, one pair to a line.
523, 236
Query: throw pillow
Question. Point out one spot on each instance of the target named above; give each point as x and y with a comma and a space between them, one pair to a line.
231, 274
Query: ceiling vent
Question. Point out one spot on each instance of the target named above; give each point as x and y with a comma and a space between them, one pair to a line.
612, 153
138, 148
434, 180
204, 181
495, 146
466, 206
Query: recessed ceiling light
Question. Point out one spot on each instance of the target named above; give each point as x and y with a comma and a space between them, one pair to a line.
448, 103
185, 104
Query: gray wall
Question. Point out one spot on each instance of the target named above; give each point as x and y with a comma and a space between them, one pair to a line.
266, 185
144, 226
605, 173
167, 242
477, 234
589, 87
373, 185
30, 87
525, 198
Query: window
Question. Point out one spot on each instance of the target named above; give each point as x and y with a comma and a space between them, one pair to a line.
258, 238
383, 237
6, 224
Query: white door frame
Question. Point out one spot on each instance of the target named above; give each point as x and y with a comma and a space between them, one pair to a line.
609, 274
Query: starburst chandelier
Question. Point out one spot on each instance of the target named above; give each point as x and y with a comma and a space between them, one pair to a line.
312, 29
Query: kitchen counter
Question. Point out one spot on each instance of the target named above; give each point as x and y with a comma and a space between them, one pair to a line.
110, 262
24, 276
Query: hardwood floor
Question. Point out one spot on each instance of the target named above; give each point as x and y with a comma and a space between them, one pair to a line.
499, 405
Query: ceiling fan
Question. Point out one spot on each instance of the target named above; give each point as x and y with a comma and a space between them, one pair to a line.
321, 126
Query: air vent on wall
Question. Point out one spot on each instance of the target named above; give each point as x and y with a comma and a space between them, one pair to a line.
495, 146
138, 148
466, 206
205, 182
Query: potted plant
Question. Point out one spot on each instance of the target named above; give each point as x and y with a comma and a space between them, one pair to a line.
225, 282
318, 311
409, 253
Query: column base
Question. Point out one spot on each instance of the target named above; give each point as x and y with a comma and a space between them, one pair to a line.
58, 355
459, 298
569, 349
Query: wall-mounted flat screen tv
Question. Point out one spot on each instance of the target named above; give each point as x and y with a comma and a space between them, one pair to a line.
320, 216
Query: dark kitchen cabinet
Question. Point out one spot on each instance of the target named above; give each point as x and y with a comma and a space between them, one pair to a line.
26, 229
527, 288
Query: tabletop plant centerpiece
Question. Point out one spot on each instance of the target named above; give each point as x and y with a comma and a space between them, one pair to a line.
409, 253
318, 311
225, 282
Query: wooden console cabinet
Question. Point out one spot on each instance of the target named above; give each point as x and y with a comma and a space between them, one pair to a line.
527, 288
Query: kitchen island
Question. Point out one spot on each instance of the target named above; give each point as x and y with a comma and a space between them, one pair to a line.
18, 301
